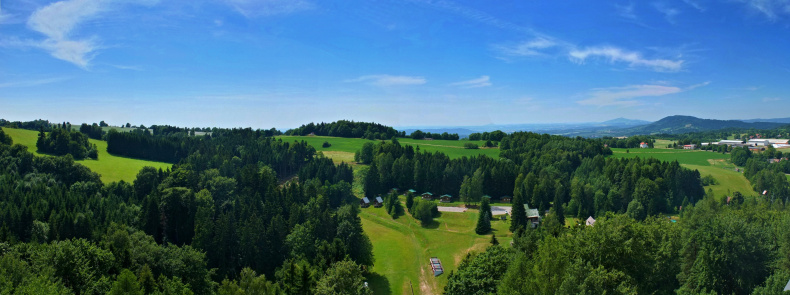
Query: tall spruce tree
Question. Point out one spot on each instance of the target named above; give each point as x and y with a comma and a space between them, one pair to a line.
484, 219
518, 218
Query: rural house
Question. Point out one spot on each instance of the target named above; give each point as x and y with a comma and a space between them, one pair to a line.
533, 216
379, 202
446, 198
690, 147
364, 203
643, 145
505, 199
427, 196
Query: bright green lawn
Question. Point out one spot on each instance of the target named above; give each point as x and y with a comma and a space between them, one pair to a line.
402, 248
452, 148
691, 157
111, 168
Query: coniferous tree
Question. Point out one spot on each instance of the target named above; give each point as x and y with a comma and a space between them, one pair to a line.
518, 218
484, 218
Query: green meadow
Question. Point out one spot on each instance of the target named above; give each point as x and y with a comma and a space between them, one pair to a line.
344, 148
402, 248
111, 168
715, 164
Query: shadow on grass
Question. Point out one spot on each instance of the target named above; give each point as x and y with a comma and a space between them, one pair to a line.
431, 225
378, 283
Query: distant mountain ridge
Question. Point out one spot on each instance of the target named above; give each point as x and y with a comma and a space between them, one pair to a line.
683, 124
774, 120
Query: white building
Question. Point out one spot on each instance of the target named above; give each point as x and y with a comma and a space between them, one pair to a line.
759, 142
730, 142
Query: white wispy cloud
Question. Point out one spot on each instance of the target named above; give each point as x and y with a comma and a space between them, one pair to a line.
388, 80
668, 12
771, 99
58, 22
257, 8
31, 83
695, 4
772, 9
483, 81
626, 11
632, 58
527, 48
625, 96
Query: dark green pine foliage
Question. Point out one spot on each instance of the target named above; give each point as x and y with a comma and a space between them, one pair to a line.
484, 218
518, 218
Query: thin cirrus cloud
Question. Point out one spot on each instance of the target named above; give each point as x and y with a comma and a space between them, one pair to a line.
632, 58
772, 9
31, 83
528, 48
388, 80
58, 22
626, 96
258, 8
483, 81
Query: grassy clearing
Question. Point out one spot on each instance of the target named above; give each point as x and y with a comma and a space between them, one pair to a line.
402, 248
111, 168
452, 148
715, 164
662, 143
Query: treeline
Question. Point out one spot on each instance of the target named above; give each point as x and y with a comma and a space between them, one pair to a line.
766, 171
62, 140
570, 175
716, 247
418, 134
29, 125
349, 129
628, 143
93, 131
492, 136
217, 222
174, 147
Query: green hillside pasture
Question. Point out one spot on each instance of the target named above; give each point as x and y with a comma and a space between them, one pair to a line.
342, 147
111, 168
715, 164
683, 156
402, 248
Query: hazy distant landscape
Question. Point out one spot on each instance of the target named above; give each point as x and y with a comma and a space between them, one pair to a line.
403, 147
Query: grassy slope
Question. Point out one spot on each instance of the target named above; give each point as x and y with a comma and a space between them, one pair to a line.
346, 147
715, 164
112, 168
402, 248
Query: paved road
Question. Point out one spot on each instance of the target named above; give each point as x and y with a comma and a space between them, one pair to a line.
452, 209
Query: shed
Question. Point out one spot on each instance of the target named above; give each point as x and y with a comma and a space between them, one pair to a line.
505, 199
446, 198
379, 202
436, 266
427, 196
364, 203
411, 191
590, 221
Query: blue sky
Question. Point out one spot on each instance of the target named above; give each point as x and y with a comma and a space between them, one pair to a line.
282, 63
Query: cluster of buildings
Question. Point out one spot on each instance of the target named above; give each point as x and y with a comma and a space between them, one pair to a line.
758, 143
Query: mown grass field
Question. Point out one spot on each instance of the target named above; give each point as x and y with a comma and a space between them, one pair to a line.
402, 248
715, 164
344, 148
111, 168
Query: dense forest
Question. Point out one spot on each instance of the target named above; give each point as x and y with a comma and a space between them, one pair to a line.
217, 222
348, 129
61, 140
716, 247
539, 170
418, 134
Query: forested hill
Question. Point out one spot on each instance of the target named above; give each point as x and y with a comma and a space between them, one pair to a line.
348, 129
685, 124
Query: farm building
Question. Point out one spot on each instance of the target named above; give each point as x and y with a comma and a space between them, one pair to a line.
364, 203
505, 199
781, 146
446, 198
590, 221
427, 196
690, 147
436, 266
730, 142
759, 142
777, 141
379, 202
411, 191
643, 145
